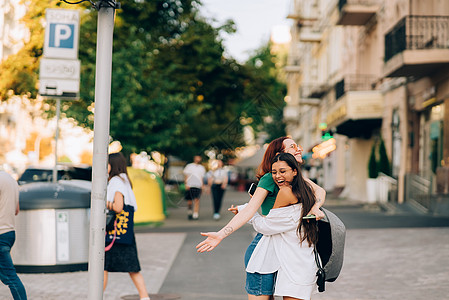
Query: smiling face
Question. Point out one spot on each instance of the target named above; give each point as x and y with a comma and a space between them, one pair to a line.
291, 147
282, 173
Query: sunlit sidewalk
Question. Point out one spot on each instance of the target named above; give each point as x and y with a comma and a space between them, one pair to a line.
156, 251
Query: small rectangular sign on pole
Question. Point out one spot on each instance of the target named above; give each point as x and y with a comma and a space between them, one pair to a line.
59, 73
59, 78
61, 33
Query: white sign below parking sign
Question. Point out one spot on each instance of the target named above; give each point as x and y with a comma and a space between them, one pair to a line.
61, 33
59, 78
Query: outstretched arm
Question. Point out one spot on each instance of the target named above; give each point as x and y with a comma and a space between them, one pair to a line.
214, 238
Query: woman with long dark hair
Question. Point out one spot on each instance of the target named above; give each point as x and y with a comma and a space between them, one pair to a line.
260, 286
288, 239
122, 256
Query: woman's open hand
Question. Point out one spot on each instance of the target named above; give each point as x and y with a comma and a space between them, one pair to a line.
209, 244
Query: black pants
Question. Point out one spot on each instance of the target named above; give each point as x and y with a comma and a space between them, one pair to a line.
217, 197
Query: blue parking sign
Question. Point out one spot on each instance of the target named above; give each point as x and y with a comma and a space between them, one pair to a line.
62, 35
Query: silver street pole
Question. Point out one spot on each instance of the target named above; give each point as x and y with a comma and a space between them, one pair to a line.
58, 113
100, 151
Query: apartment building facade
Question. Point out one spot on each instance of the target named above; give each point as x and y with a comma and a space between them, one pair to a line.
379, 71
12, 31
12, 35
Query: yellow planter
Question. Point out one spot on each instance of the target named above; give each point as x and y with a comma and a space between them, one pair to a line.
148, 196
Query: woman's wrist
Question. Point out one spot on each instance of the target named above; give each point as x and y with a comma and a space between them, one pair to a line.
225, 232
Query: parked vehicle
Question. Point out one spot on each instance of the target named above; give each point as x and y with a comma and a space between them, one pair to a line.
65, 172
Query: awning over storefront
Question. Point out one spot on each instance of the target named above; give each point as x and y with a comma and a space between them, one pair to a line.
359, 128
357, 113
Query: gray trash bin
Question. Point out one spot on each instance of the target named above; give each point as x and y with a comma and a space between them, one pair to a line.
52, 228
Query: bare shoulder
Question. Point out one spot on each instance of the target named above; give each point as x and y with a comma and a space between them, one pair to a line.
285, 197
285, 191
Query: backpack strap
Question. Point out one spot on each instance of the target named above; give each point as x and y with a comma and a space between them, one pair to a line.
321, 275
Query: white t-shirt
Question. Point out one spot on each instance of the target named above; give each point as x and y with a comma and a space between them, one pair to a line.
121, 184
218, 176
195, 174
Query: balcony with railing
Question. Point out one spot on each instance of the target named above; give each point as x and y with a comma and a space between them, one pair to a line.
312, 93
354, 82
294, 10
293, 64
358, 108
356, 12
417, 46
291, 113
310, 35
303, 15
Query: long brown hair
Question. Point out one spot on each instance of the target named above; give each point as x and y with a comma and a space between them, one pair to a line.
304, 192
276, 146
118, 166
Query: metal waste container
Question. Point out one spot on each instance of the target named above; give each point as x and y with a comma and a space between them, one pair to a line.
52, 228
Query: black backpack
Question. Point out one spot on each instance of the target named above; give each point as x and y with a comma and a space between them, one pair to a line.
329, 250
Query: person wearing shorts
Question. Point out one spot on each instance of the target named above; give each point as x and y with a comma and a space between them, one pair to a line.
193, 179
256, 283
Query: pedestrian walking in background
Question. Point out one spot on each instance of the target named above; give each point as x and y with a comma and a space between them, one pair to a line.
9, 208
193, 179
217, 182
122, 256
261, 286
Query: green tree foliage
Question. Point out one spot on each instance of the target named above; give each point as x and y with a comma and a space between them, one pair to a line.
372, 163
173, 90
384, 163
268, 90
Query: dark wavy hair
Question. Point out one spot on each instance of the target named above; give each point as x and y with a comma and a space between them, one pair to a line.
276, 146
305, 195
118, 166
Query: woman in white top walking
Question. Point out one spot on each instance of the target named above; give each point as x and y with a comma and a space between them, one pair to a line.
288, 239
122, 256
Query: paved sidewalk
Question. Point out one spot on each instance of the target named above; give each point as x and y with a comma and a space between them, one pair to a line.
156, 251
401, 263
382, 263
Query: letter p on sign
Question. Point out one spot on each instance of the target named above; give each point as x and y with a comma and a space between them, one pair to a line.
61, 35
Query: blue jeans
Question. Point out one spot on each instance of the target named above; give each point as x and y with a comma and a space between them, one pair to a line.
258, 284
7, 271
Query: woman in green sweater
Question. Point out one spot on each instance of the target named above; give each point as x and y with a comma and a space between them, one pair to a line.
261, 286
